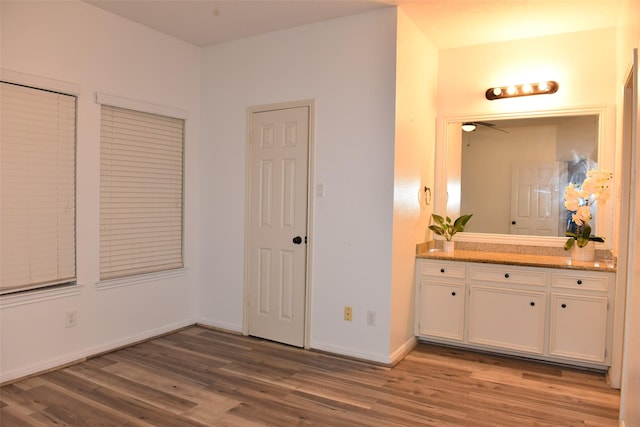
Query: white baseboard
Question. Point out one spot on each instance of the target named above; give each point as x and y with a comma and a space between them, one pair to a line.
390, 360
394, 358
403, 350
72, 358
342, 351
221, 325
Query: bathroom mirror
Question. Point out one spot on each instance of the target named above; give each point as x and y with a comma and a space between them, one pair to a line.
510, 172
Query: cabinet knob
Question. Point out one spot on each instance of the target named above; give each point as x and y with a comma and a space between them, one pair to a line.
532, 304
579, 282
442, 270
453, 293
506, 275
564, 306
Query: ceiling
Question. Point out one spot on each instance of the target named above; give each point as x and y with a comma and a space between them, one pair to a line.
447, 23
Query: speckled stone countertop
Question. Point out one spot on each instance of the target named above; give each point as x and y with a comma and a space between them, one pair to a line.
532, 256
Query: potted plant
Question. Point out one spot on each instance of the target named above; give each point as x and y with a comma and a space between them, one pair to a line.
447, 228
580, 199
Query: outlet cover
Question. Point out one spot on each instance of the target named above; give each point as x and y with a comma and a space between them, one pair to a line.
371, 318
71, 318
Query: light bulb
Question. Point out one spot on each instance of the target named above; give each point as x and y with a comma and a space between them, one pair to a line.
525, 89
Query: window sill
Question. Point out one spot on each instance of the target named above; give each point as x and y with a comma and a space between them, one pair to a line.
39, 295
142, 278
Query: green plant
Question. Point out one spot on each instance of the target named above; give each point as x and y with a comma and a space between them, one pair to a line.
446, 228
581, 236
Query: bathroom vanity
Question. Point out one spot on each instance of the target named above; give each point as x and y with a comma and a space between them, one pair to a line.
537, 304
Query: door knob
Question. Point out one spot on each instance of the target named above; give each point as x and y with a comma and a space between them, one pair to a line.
297, 240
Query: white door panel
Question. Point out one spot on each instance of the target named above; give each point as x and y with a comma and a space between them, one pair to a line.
534, 198
278, 224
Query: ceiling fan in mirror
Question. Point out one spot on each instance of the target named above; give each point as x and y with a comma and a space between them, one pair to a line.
471, 126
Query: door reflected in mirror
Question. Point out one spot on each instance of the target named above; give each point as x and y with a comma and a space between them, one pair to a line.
511, 173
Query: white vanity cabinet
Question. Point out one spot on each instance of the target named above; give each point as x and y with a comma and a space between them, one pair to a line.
554, 314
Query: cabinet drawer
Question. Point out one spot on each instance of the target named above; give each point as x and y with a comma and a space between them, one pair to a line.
579, 281
443, 269
508, 274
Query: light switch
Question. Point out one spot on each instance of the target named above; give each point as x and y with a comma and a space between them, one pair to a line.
320, 189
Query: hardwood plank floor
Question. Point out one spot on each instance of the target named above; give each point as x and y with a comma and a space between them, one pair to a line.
201, 377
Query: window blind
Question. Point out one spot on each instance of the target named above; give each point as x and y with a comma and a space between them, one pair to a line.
37, 172
141, 192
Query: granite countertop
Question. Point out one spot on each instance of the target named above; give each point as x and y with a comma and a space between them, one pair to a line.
530, 256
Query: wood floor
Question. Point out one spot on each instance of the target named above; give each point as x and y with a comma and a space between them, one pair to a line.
200, 377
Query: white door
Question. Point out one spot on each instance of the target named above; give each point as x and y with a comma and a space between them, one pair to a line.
279, 147
534, 199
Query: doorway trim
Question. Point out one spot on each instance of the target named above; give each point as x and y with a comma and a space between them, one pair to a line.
631, 134
311, 105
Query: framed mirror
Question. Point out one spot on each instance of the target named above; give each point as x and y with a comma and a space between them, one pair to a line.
510, 172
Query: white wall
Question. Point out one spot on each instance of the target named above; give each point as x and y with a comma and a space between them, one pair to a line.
583, 63
96, 51
348, 66
416, 79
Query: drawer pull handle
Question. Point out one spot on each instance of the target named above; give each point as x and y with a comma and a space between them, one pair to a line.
532, 304
453, 293
564, 306
506, 275
442, 270
579, 282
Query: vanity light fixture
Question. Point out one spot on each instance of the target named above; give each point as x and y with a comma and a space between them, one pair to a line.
522, 90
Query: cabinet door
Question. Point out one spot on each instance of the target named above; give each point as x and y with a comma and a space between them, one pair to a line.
506, 318
442, 310
578, 327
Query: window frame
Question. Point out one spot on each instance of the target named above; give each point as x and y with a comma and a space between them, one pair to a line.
176, 113
50, 288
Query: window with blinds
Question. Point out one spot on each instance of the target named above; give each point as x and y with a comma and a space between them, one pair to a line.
141, 192
37, 188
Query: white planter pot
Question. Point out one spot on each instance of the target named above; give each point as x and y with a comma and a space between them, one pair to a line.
447, 246
586, 254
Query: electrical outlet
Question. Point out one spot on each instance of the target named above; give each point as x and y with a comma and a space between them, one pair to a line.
348, 313
71, 318
371, 318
